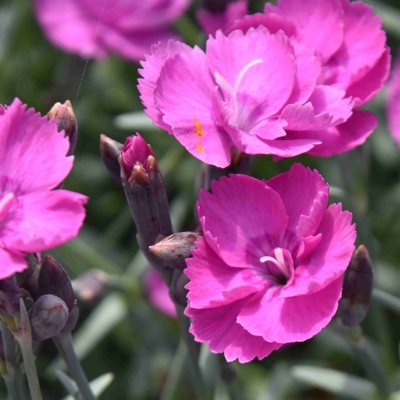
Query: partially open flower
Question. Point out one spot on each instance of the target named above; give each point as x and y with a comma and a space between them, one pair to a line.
270, 265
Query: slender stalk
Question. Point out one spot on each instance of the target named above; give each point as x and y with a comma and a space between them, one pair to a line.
30, 369
24, 338
13, 377
66, 348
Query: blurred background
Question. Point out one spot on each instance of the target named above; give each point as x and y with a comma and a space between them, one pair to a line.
119, 330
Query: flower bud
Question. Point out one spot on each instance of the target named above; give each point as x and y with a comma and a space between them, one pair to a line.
135, 152
176, 248
177, 289
48, 316
71, 321
110, 151
147, 197
28, 278
10, 295
66, 121
90, 285
357, 288
53, 279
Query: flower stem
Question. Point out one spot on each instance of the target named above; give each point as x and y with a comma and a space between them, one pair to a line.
30, 369
66, 348
12, 377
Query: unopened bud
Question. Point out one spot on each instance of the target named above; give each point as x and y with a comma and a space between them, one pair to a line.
357, 288
177, 289
139, 176
110, 151
71, 321
28, 278
90, 285
53, 279
176, 248
48, 316
10, 295
66, 121
135, 151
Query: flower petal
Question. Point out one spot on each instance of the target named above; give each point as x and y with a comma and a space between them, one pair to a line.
151, 71
267, 85
331, 256
293, 319
214, 283
11, 262
363, 43
32, 152
341, 138
158, 293
218, 327
311, 16
185, 94
70, 27
40, 221
393, 102
247, 218
305, 196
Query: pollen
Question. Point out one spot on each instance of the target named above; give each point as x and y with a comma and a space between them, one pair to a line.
199, 148
198, 129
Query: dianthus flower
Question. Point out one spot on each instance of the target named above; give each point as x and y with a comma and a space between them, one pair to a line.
393, 103
32, 162
282, 83
269, 268
222, 14
96, 28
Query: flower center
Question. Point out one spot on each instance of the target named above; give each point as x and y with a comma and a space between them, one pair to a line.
233, 90
5, 204
280, 265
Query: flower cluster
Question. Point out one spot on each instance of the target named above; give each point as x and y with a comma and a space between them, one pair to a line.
285, 82
96, 28
269, 268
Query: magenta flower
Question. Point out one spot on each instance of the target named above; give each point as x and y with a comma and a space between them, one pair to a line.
96, 28
393, 103
267, 88
269, 268
158, 293
221, 16
32, 162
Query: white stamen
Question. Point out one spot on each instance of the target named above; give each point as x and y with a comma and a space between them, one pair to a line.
5, 204
279, 261
243, 72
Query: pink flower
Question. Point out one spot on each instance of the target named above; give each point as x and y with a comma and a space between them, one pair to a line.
269, 268
393, 103
220, 16
96, 28
158, 293
32, 162
281, 84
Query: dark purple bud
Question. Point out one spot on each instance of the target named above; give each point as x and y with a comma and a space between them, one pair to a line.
357, 288
53, 279
177, 289
176, 248
216, 6
91, 285
135, 152
28, 279
48, 316
66, 121
10, 295
71, 321
110, 151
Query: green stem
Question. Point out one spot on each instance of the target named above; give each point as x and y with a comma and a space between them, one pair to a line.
13, 377
30, 369
193, 350
66, 348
